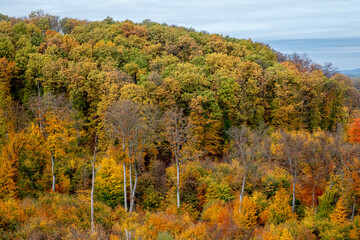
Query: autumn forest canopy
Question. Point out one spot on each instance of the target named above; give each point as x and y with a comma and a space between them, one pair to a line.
123, 130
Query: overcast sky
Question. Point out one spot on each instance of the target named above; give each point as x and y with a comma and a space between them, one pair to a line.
261, 20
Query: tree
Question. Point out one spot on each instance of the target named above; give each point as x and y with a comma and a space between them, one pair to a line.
54, 118
350, 171
318, 158
94, 171
176, 131
9, 163
292, 145
247, 219
7, 69
280, 210
246, 148
354, 131
340, 212
130, 124
204, 127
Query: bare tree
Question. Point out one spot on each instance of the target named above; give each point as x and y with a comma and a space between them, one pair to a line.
176, 131
131, 125
292, 146
247, 146
345, 155
318, 157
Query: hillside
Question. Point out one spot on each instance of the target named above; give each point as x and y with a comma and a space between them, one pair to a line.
355, 73
175, 134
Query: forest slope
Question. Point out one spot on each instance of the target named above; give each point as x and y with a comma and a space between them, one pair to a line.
198, 136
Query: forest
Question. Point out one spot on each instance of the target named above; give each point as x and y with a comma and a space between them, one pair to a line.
123, 130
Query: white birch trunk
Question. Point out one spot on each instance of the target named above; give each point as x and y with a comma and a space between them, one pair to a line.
93, 186
52, 171
92, 197
132, 200
293, 201
125, 197
177, 183
242, 192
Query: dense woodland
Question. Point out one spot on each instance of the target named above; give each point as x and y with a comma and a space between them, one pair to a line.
119, 130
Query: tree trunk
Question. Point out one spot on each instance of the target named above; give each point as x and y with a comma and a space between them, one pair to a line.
92, 197
132, 200
313, 196
125, 197
93, 186
242, 192
130, 182
84, 175
177, 184
124, 167
353, 208
52, 171
293, 201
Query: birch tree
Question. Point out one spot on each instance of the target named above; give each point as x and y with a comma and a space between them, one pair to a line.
176, 131
54, 117
246, 145
292, 146
94, 171
131, 125
318, 157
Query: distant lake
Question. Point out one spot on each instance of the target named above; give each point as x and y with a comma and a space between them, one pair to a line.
344, 53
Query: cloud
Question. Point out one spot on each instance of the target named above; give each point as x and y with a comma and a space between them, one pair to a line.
261, 19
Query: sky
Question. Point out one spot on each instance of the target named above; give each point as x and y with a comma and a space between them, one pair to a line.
327, 30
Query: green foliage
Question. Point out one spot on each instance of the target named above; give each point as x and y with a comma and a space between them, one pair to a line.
219, 82
164, 236
276, 179
326, 204
6, 48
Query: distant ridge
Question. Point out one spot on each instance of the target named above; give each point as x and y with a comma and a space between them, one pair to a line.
351, 73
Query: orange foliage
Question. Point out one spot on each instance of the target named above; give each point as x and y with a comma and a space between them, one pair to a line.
9, 162
160, 222
354, 131
50, 33
128, 28
217, 214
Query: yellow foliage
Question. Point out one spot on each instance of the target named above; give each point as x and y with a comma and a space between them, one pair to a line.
131, 223
309, 219
216, 214
109, 182
280, 209
195, 232
339, 216
355, 231
63, 183
114, 237
9, 161
277, 233
159, 222
11, 214
247, 219
134, 92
